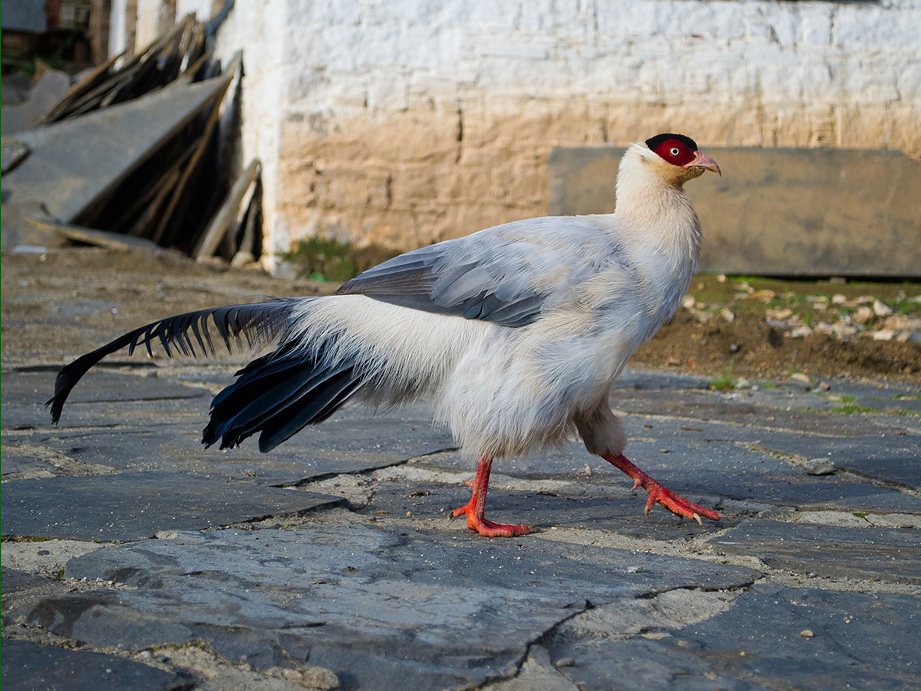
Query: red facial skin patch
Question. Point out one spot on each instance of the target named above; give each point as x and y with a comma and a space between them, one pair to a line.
675, 152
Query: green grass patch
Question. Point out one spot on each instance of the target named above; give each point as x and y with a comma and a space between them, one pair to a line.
724, 381
903, 412
852, 408
323, 259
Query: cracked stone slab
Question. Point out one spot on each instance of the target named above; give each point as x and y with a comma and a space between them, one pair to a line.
759, 409
177, 448
892, 458
702, 471
143, 423
34, 667
15, 580
132, 506
888, 554
543, 510
649, 379
859, 641
383, 608
104, 398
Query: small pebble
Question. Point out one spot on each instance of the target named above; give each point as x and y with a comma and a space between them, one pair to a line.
863, 314
565, 662
819, 466
635, 569
806, 633
881, 309
800, 377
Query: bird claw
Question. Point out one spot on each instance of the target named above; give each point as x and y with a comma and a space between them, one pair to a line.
658, 494
678, 505
476, 521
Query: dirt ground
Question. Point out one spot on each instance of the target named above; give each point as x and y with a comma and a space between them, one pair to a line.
93, 295
768, 329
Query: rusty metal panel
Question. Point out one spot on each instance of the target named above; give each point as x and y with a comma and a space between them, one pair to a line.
783, 212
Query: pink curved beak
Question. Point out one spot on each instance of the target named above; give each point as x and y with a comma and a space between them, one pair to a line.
705, 162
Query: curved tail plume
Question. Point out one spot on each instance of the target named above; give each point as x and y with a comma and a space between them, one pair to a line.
255, 325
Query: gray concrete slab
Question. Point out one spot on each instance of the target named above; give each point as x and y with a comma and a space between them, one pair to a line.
15, 580
702, 472
890, 457
34, 667
858, 641
385, 608
376, 584
891, 555
125, 422
132, 506
106, 398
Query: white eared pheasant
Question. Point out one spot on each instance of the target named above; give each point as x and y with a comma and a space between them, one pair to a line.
515, 333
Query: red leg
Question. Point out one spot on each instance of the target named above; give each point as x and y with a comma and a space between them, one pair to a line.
660, 494
476, 507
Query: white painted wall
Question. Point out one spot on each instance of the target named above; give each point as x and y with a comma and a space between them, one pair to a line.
344, 97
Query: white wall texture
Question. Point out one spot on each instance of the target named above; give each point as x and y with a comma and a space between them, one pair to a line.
402, 122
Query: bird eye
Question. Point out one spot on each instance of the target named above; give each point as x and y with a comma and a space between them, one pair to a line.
674, 151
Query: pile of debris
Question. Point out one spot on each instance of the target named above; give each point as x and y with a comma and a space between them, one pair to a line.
134, 155
837, 315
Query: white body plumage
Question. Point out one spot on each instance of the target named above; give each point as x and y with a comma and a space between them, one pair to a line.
510, 391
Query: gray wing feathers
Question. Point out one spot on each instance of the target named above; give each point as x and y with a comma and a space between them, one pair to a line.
506, 275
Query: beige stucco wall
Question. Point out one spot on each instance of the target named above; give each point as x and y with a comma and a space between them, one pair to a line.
411, 121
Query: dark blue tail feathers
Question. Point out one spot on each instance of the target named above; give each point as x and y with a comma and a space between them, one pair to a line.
278, 395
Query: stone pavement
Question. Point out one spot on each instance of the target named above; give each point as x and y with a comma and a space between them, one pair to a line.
133, 558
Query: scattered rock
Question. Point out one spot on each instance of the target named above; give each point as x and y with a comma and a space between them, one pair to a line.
863, 314
819, 466
779, 313
806, 633
881, 309
800, 377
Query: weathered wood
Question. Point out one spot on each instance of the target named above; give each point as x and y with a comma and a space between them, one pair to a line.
78, 161
231, 210
99, 238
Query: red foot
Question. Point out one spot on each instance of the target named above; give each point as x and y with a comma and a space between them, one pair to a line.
486, 527
659, 494
475, 508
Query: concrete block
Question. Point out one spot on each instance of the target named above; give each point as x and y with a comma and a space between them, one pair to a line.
809, 212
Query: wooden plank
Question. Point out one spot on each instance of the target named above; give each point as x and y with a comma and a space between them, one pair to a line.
231, 210
98, 238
